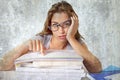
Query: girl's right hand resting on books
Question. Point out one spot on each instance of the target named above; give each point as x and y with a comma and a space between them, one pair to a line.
36, 46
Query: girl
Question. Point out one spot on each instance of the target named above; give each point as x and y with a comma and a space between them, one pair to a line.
60, 33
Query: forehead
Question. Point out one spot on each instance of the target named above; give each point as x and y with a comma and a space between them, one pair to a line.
59, 17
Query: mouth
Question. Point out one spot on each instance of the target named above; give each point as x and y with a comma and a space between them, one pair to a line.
62, 37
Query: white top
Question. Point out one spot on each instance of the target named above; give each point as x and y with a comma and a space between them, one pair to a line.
46, 41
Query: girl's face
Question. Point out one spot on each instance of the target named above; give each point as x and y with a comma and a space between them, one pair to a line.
60, 23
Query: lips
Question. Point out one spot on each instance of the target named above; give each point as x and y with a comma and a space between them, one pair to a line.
62, 37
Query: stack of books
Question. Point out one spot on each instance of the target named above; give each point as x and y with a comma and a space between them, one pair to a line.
54, 61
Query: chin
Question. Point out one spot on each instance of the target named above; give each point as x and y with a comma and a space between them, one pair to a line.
62, 40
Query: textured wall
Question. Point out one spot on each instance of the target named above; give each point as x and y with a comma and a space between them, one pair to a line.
99, 24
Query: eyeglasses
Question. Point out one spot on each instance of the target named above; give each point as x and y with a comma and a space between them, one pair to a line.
55, 26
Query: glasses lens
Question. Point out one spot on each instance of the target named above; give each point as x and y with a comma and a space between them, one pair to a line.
66, 24
54, 27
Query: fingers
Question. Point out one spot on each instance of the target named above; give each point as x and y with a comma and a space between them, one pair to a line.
36, 46
42, 49
72, 21
75, 18
30, 45
73, 27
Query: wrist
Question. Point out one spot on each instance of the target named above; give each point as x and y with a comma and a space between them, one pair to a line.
70, 38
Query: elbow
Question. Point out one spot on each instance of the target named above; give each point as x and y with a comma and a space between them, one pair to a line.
99, 69
5, 66
96, 69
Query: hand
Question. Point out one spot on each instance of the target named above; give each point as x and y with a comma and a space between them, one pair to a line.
36, 45
73, 27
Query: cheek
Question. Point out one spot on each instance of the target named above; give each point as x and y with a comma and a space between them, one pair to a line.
54, 33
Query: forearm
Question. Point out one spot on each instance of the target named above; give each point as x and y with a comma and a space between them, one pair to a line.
7, 61
90, 61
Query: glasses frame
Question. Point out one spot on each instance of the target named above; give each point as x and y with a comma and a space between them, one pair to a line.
59, 25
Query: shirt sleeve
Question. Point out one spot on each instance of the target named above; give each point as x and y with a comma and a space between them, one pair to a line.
37, 37
45, 39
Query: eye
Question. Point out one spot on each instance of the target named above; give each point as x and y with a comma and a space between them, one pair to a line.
67, 23
54, 25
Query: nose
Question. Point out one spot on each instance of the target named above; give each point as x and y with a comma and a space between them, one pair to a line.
61, 29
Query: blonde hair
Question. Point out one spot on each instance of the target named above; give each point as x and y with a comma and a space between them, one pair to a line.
59, 7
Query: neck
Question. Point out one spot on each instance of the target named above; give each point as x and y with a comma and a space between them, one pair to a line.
56, 44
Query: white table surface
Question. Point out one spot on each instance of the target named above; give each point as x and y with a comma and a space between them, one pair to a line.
13, 75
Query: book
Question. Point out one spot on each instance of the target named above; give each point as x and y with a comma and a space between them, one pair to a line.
56, 58
62, 62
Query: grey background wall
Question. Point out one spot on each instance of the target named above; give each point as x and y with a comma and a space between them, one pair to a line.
99, 24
